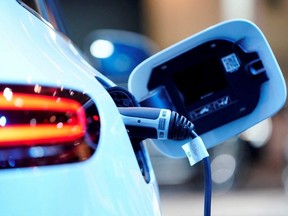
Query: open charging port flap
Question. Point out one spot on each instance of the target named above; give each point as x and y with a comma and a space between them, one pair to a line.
224, 79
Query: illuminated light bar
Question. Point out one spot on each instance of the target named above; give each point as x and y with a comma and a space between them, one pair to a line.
30, 135
20, 101
41, 133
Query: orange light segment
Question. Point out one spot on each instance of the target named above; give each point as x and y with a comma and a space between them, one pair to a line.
47, 134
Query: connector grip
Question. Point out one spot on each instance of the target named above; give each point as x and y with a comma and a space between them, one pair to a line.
180, 127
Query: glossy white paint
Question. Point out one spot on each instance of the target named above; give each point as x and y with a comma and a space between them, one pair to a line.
250, 37
110, 182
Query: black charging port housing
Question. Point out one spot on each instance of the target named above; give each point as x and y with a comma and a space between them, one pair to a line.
213, 84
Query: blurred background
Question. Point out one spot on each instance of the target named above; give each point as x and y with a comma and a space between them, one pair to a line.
249, 172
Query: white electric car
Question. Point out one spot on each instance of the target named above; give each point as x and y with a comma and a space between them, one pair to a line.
64, 148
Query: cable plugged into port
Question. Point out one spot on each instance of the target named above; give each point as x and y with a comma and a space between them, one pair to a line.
144, 122
154, 123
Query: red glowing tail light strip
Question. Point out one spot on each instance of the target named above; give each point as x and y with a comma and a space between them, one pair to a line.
32, 134
20, 101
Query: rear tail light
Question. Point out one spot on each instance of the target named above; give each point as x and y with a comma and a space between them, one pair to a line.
43, 126
67, 122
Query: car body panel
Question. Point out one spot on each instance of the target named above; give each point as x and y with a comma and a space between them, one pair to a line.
110, 181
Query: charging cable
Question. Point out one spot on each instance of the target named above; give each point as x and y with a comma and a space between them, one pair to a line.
155, 123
